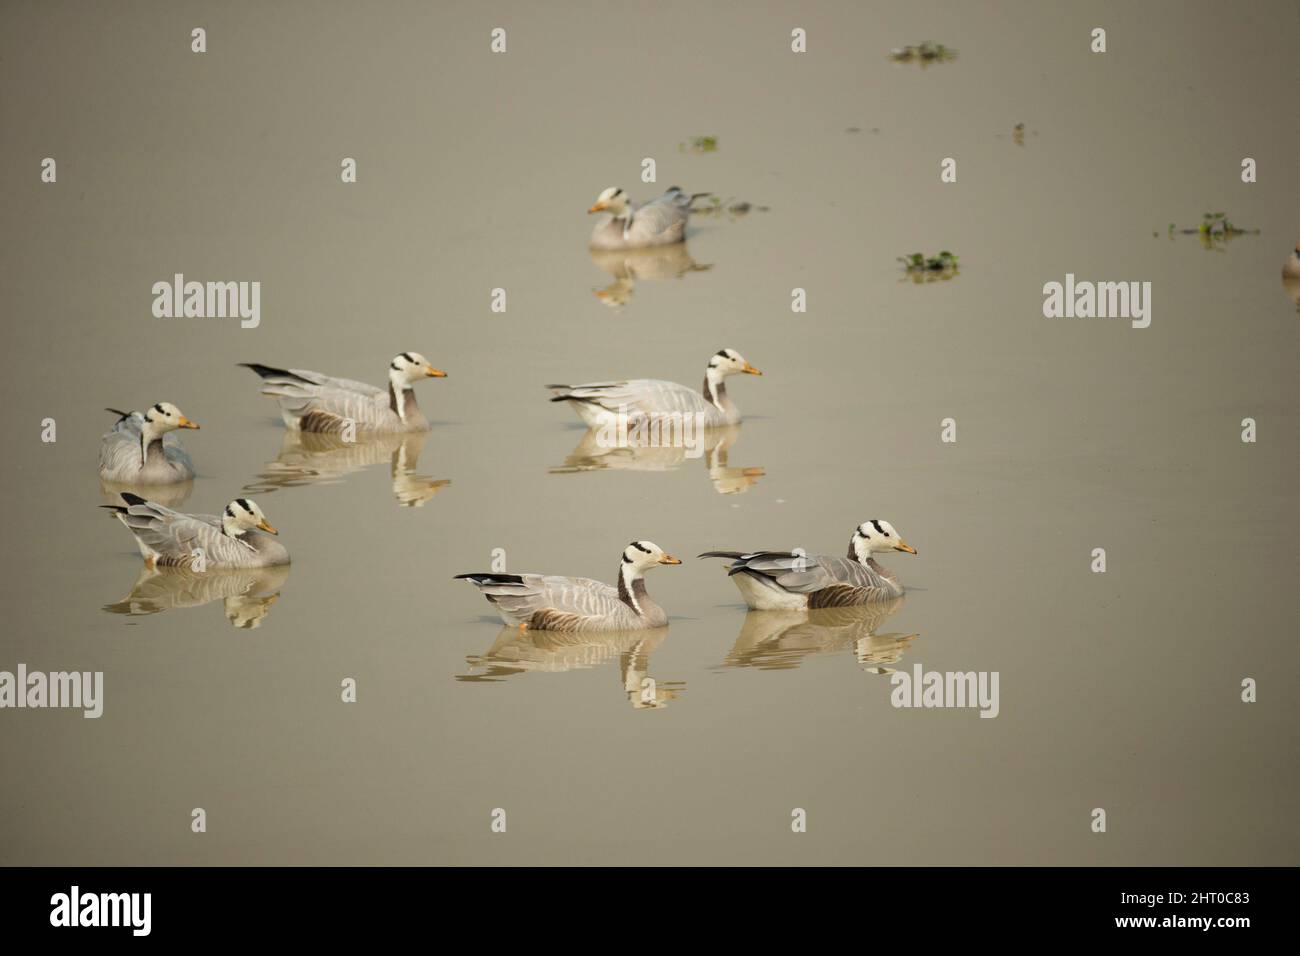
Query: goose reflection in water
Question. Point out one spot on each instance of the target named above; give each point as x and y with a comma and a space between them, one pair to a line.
308, 458
780, 640
1292, 287
247, 594
627, 266
169, 496
594, 454
530, 651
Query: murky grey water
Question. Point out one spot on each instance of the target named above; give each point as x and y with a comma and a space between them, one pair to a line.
1118, 690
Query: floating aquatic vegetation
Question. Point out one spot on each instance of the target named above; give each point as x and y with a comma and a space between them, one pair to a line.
1215, 229
1018, 134
735, 208
699, 144
921, 268
924, 54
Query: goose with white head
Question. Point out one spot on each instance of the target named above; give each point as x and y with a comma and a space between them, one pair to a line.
143, 449
790, 580
554, 603
313, 402
600, 404
240, 537
659, 222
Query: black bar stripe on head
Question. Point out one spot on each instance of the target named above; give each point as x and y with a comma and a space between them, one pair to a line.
640, 547
229, 513
393, 366
407, 356
159, 409
626, 559
875, 523
243, 503
723, 354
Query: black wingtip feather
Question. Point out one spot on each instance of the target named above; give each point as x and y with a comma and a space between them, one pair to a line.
131, 499
270, 371
479, 577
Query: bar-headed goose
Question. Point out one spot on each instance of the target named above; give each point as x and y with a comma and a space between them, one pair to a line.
142, 449
314, 402
552, 603
239, 538
599, 404
785, 579
658, 222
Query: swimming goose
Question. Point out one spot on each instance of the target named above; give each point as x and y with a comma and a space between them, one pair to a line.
600, 403
314, 402
785, 580
239, 538
658, 222
141, 449
552, 603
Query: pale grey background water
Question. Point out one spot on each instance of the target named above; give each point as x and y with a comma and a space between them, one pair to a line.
1117, 690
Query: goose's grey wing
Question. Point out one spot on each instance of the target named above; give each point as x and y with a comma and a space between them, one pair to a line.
802, 574
170, 534
662, 219
324, 402
638, 397
119, 449
552, 602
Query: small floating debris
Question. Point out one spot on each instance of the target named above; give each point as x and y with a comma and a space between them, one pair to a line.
735, 208
699, 144
924, 54
1215, 228
921, 268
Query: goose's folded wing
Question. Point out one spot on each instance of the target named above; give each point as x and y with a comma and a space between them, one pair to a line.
523, 595
328, 400
800, 574
639, 396
660, 217
170, 532
119, 451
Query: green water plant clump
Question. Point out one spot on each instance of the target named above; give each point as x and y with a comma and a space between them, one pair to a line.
918, 262
922, 268
699, 144
716, 206
1213, 227
924, 53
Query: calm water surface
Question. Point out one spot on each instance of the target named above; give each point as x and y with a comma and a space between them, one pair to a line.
1118, 690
